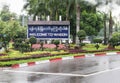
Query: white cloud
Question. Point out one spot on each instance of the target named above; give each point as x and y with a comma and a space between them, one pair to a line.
111, 7
14, 5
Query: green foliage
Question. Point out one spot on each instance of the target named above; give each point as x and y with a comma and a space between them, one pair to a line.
91, 47
32, 40
12, 29
21, 45
9, 25
56, 42
24, 47
115, 40
116, 35
82, 44
4, 40
5, 14
97, 46
96, 40
81, 34
92, 23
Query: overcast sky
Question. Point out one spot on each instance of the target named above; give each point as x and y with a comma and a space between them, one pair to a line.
17, 6
14, 5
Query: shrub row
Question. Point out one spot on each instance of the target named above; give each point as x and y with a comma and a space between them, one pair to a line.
27, 57
2, 54
33, 56
71, 51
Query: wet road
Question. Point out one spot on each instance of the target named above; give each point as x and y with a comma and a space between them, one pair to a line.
103, 69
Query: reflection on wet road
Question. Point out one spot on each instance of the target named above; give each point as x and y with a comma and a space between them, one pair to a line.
104, 69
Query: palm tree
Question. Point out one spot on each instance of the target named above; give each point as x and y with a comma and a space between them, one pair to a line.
110, 25
70, 5
105, 29
36, 8
77, 19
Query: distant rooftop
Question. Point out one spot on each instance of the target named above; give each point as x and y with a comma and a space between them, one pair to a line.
48, 23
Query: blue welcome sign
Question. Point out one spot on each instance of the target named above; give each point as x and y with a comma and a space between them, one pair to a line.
49, 31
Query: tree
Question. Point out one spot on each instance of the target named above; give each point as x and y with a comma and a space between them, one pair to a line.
97, 40
115, 40
81, 35
32, 41
41, 44
6, 15
31, 6
105, 29
56, 42
110, 25
13, 29
2, 26
97, 46
71, 10
91, 22
4, 40
108, 10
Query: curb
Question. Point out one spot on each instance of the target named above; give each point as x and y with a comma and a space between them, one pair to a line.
62, 58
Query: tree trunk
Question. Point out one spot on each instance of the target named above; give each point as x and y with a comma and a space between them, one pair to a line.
105, 36
110, 25
67, 11
77, 21
74, 38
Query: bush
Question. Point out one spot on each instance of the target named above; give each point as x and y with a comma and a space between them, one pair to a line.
18, 40
97, 46
21, 46
114, 42
32, 40
25, 47
81, 35
76, 47
56, 42
42, 48
97, 40
17, 45
82, 44
74, 51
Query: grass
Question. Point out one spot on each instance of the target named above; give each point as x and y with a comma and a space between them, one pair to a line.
117, 47
91, 47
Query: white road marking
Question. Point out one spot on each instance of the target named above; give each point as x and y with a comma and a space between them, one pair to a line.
111, 53
101, 72
45, 73
64, 74
89, 55
40, 62
23, 65
66, 58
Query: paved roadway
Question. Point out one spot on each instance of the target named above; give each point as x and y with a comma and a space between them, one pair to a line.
103, 69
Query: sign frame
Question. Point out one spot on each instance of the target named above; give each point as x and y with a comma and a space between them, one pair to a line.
52, 24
